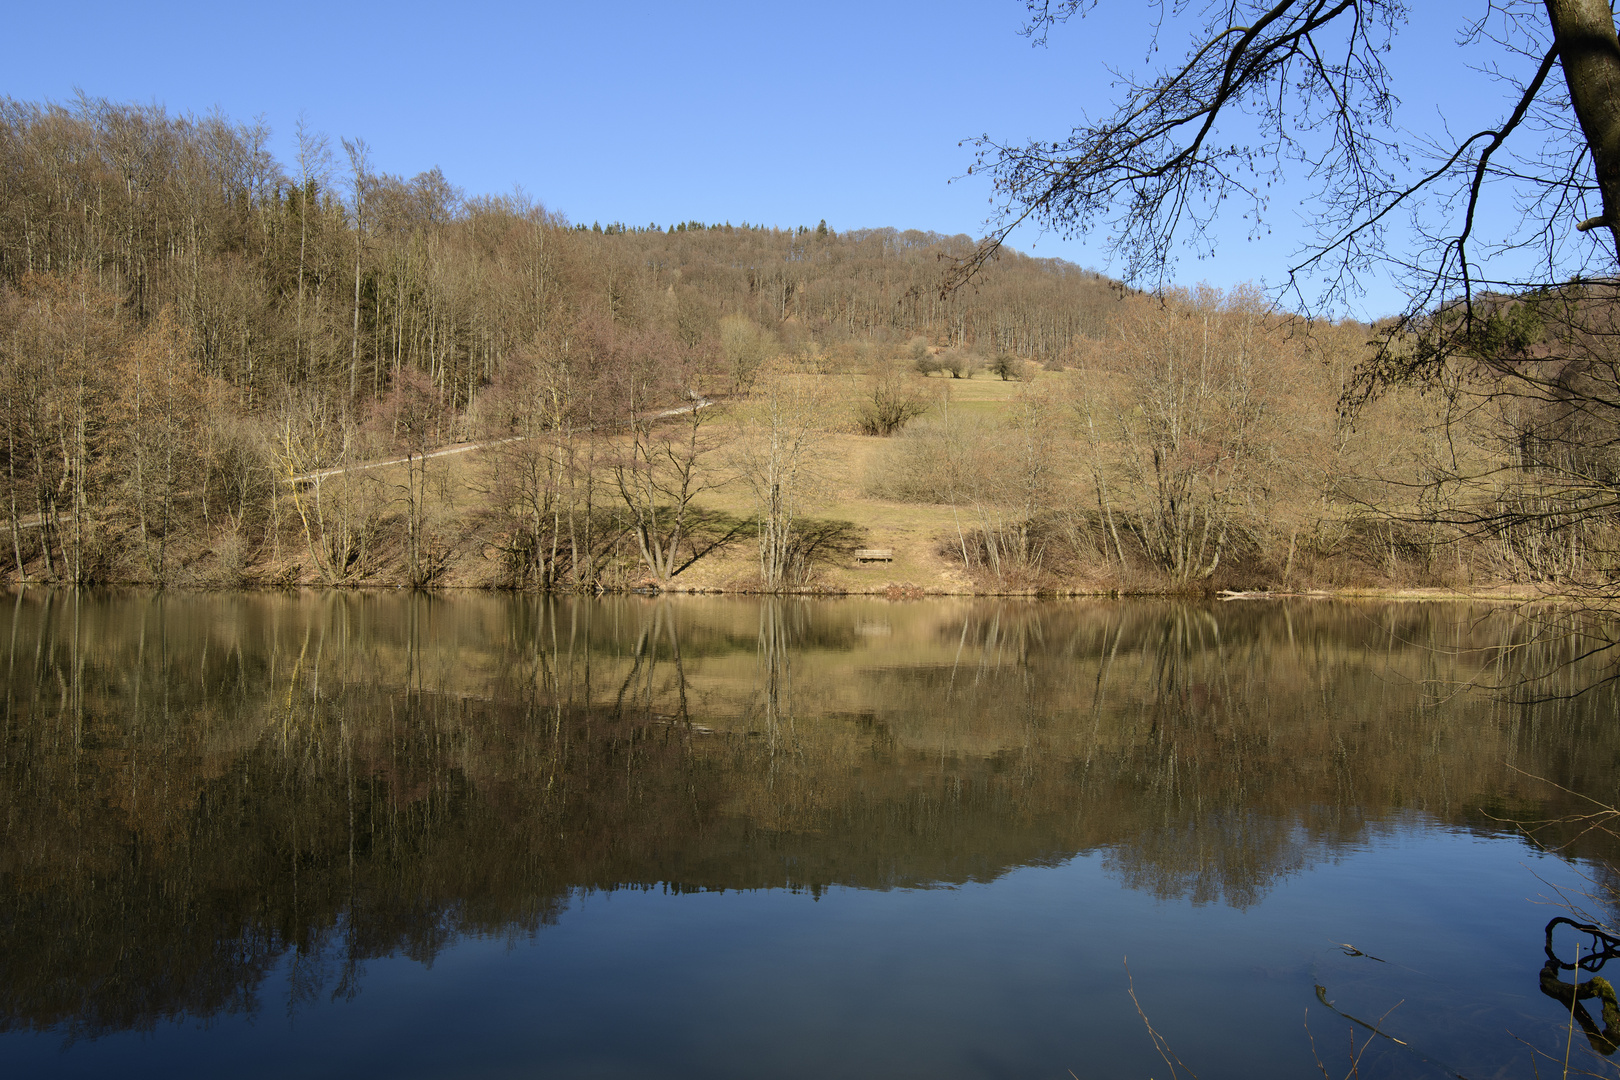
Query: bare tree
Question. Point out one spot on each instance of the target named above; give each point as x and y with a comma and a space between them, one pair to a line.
551, 489
1008, 367
960, 362
160, 411
61, 338
775, 458
1195, 401
1013, 479
1309, 82
317, 447
1505, 238
668, 463
411, 420
891, 397
746, 349
359, 181
314, 172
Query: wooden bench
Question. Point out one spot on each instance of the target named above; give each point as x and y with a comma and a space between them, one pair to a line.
874, 555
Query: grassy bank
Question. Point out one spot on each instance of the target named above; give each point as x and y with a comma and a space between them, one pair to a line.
445, 506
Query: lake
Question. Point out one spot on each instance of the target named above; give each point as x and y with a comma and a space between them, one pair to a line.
361, 833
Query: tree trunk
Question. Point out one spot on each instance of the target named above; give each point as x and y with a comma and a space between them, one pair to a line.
16, 521
1589, 52
354, 333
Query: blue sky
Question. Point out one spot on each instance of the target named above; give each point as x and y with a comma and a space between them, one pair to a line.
643, 112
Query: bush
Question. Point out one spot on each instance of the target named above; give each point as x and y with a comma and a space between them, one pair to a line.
960, 362
889, 402
1009, 367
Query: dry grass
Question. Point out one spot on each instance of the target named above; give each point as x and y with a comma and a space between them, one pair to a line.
910, 530
920, 535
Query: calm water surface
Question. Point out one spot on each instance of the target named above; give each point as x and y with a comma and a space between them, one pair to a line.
332, 835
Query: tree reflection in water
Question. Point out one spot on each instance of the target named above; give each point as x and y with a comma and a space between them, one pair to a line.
199, 788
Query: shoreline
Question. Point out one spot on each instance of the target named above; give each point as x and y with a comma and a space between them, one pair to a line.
893, 592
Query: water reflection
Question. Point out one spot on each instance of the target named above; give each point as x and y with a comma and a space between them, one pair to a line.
197, 788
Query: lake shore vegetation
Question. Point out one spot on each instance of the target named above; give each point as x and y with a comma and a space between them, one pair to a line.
225, 371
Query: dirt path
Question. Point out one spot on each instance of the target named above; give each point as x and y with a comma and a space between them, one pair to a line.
321, 474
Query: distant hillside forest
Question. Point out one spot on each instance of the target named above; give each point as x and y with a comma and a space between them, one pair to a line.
325, 272
202, 346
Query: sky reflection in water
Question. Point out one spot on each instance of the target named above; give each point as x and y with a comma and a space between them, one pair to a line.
492, 836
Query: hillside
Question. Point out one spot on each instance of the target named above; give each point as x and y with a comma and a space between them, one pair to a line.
206, 353
188, 323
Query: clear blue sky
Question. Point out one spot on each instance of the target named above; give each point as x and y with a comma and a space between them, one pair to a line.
643, 112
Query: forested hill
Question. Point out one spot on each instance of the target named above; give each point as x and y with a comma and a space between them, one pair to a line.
878, 283
225, 369
323, 272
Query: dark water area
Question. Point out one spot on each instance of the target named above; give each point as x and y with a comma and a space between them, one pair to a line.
380, 834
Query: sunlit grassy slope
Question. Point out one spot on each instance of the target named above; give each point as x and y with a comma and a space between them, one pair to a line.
917, 534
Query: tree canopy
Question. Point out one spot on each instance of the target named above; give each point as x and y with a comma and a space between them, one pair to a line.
1302, 92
